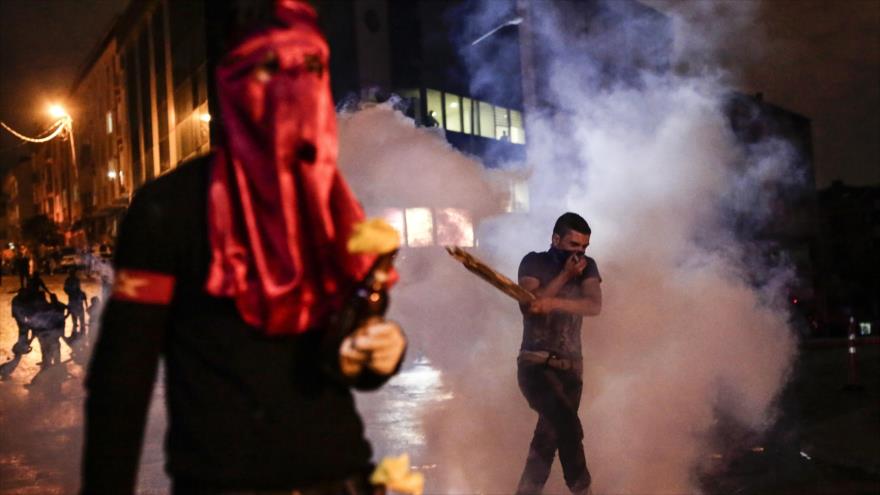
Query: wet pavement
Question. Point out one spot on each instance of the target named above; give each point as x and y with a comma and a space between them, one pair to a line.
826, 440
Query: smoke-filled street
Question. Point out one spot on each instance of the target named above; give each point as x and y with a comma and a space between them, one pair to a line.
824, 442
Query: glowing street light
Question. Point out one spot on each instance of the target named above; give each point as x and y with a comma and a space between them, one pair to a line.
516, 21
57, 112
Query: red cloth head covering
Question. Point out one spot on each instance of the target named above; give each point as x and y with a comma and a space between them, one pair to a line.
279, 212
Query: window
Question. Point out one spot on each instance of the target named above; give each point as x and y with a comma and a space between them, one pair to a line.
414, 104
423, 227
395, 218
435, 108
109, 122
486, 120
502, 124
519, 196
419, 227
453, 112
454, 227
517, 130
467, 115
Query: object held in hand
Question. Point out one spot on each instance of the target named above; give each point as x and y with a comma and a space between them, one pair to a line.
488, 274
394, 474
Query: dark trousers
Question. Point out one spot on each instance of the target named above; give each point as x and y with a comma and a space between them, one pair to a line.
555, 395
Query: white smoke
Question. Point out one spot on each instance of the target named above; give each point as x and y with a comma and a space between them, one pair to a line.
694, 324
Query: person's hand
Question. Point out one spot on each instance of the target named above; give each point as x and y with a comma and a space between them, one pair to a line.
376, 346
575, 265
542, 305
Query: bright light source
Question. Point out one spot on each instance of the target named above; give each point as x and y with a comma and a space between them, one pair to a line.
57, 112
205, 117
453, 104
454, 227
419, 227
394, 217
111, 174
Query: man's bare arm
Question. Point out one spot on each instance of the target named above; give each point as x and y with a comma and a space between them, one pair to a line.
590, 304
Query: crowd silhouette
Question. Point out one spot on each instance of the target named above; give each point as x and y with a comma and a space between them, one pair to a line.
41, 316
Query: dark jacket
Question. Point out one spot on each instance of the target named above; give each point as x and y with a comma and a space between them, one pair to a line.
245, 411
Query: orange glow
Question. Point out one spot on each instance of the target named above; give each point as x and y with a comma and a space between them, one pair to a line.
57, 111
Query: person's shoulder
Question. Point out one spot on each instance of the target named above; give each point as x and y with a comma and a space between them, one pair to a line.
170, 194
535, 256
177, 183
533, 263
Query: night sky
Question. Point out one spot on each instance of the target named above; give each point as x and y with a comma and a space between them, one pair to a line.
819, 58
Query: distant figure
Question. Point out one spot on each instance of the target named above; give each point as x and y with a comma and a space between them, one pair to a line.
106, 286
36, 283
49, 327
431, 120
76, 302
22, 267
22, 310
504, 136
94, 315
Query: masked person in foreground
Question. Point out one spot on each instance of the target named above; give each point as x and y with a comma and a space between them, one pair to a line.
229, 268
566, 283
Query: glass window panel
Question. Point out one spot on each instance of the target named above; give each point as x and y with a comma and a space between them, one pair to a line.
144, 70
394, 217
414, 103
517, 130
502, 124
453, 112
468, 115
486, 120
520, 193
454, 227
419, 227
435, 108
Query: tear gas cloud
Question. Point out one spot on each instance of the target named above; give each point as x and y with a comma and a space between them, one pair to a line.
694, 324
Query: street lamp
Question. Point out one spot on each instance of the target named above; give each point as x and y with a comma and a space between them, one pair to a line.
516, 21
57, 112
64, 120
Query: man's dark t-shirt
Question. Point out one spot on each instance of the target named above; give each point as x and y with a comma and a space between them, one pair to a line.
556, 332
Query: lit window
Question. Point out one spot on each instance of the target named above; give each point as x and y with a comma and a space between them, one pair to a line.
435, 108
468, 115
414, 100
502, 124
517, 131
109, 122
454, 228
453, 112
518, 199
486, 120
419, 227
394, 217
